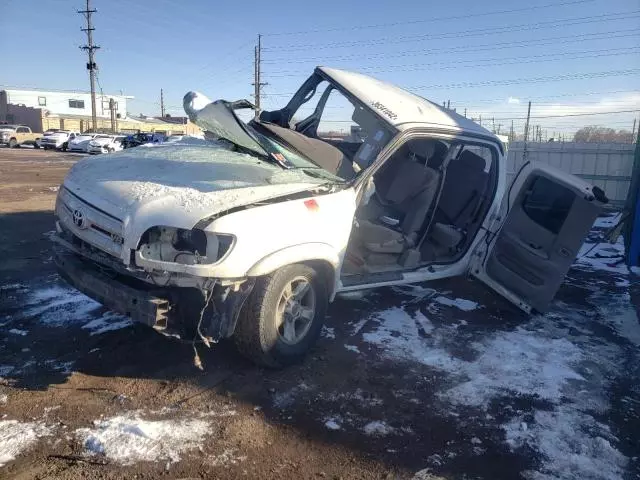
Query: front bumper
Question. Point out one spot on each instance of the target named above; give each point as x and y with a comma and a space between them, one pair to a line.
181, 312
140, 305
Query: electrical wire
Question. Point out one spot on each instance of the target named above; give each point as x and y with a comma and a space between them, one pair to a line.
563, 23
431, 19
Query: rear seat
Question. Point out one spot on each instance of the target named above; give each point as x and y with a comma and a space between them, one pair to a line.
464, 187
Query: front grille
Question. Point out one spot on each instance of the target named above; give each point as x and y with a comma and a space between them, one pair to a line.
89, 223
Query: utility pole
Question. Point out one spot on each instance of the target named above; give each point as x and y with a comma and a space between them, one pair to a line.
526, 133
112, 110
161, 103
465, 115
633, 130
448, 104
493, 124
257, 83
90, 48
512, 135
480, 120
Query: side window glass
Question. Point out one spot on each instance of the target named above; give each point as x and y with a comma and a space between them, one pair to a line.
21, 130
336, 120
548, 204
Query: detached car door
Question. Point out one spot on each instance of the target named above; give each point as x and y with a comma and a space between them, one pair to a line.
546, 215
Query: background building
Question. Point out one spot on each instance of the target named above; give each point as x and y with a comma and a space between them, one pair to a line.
44, 109
63, 102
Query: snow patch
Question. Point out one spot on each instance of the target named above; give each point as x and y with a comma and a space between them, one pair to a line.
607, 221
108, 322
6, 370
4, 398
128, 438
603, 256
16, 331
15, 437
377, 428
573, 445
333, 423
328, 332
57, 306
461, 303
352, 348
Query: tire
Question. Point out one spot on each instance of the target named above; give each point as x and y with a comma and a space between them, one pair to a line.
13, 143
258, 335
64, 147
35, 144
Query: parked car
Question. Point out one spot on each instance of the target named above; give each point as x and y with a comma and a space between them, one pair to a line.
106, 144
17, 135
138, 139
252, 236
81, 142
57, 139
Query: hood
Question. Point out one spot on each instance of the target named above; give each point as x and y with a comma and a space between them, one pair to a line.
220, 119
178, 184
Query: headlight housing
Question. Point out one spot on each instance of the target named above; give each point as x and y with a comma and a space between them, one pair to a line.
188, 247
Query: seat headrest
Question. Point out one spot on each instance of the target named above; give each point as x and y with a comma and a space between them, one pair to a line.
472, 161
438, 154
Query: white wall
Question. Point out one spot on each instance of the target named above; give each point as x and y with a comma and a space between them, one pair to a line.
58, 102
606, 165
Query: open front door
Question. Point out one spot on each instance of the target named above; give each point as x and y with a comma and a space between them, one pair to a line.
546, 216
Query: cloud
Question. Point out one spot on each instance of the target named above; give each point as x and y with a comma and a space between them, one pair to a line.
513, 100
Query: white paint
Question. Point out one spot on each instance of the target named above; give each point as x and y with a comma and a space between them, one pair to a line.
377, 428
128, 438
403, 109
16, 437
461, 303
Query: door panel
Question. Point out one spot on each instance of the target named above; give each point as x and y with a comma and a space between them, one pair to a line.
547, 221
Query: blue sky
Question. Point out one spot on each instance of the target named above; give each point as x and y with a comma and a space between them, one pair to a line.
437, 46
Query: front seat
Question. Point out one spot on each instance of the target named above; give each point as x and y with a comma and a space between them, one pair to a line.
404, 193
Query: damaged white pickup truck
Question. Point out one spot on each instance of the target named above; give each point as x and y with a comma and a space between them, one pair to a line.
251, 236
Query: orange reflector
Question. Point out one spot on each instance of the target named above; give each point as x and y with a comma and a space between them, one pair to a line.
311, 205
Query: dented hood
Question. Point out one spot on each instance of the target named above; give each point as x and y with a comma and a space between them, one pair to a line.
178, 184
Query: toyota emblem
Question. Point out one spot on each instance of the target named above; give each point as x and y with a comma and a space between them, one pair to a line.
78, 219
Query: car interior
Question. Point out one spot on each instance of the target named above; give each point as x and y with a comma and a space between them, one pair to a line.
425, 205
305, 125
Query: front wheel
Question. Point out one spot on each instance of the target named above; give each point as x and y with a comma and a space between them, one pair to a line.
283, 316
13, 143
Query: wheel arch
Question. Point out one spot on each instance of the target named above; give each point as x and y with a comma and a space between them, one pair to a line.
319, 256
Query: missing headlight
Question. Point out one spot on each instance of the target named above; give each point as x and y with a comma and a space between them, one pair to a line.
189, 247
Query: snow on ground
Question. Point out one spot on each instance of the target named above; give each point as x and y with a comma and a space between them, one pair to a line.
333, 423
607, 221
107, 322
461, 303
60, 306
15, 437
574, 445
603, 256
17, 331
377, 428
129, 438
558, 358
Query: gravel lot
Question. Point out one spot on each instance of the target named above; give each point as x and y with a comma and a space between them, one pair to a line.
442, 380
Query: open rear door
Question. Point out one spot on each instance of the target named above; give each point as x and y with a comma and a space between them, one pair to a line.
546, 215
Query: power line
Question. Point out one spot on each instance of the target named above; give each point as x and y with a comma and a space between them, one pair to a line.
632, 32
493, 62
609, 17
430, 20
513, 81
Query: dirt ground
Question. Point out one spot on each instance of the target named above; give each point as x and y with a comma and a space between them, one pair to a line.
444, 380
